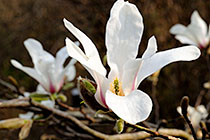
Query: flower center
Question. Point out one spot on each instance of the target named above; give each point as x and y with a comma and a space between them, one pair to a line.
116, 87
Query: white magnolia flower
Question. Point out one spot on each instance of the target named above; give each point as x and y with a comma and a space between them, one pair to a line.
196, 33
196, 114
118, 92
48, 70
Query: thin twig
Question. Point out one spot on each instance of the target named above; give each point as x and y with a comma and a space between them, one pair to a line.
199, 98
77, 109
190, 125
67, 107
87, 116
8, 85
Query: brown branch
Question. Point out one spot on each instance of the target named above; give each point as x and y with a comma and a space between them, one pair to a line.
143, 135
24, 102
73, 119
137, 135
153, 133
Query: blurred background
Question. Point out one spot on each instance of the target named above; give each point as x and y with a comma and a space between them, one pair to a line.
43, 20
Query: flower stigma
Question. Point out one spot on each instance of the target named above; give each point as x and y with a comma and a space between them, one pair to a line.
116, 87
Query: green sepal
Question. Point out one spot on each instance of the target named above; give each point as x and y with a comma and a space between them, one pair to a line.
101, 112
38, 117
119, 126
54, 96
89, 86
82, 102
39, 97
62, 97
105, 60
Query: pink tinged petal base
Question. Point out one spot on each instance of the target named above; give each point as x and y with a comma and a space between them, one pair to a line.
102, 83
130, 71
133, 108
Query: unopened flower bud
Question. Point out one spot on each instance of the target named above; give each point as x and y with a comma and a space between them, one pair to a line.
184, 105
87, 91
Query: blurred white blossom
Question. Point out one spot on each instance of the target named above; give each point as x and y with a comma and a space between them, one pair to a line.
48, 70
196, 33
196, 114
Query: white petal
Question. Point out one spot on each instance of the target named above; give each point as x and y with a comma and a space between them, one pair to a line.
27, 115
26, 94
130, 71
92, 62
91, 66
43, 61
179, 110
133, 108
185, 40
90, 49
30, 71
70, 70
184, 35
61, 57
190, 110
198, 21
151, 48
48, 103
161, 59
41, 90
200, 37
102, 86
203, 111
47, 72
123, 33
177, 29
36, 51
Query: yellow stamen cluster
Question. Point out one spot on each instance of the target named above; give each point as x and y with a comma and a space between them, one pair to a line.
116, 87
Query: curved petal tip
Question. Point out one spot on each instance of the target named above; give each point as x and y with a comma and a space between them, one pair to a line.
134, 108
